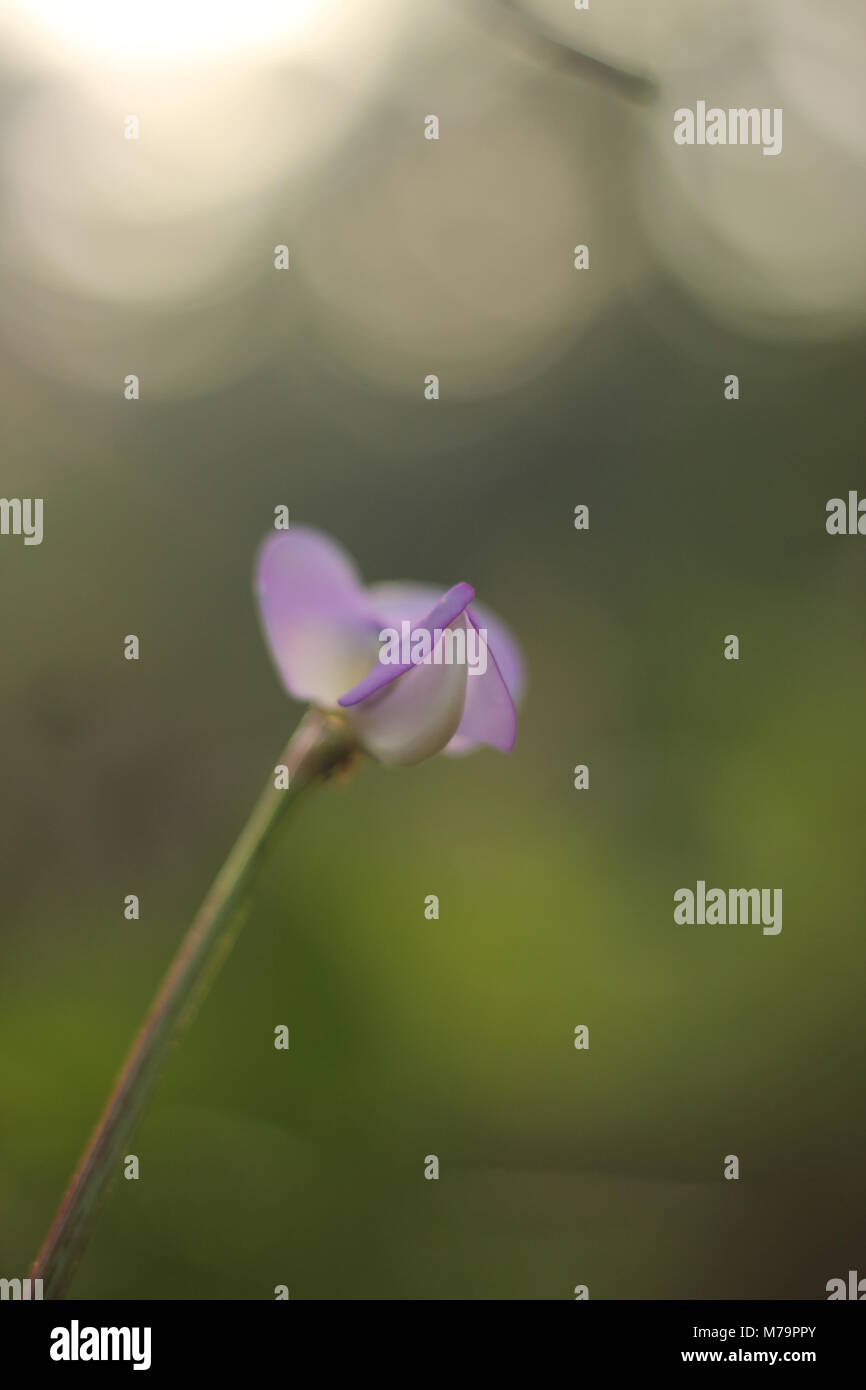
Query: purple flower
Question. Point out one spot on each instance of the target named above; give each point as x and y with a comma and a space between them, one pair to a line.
448, 680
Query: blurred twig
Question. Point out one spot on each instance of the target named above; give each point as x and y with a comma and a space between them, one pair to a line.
536, 35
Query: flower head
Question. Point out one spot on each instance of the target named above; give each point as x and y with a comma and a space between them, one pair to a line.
447, 677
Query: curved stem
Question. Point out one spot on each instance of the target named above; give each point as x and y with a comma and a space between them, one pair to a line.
319, 745
637, 86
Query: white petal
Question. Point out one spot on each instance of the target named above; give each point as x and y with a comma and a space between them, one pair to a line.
416, 715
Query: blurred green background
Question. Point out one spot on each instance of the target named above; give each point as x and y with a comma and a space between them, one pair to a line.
454, 1037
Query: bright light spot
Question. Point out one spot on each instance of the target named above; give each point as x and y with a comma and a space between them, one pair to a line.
166, 32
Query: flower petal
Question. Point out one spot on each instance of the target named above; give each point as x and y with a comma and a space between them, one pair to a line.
415, 715
445, 611
489, 715
405, 601
506, 651
319, 625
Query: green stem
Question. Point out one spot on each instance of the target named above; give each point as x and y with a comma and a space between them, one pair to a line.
319, 745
